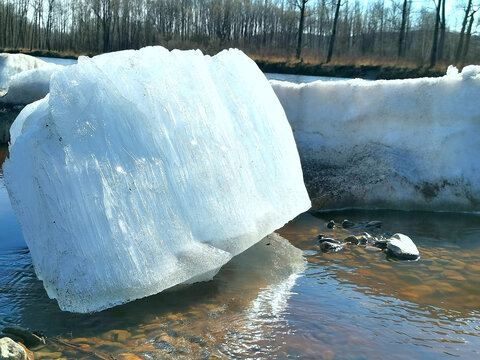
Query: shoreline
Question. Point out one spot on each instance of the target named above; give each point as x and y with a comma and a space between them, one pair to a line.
368, 72
285, 66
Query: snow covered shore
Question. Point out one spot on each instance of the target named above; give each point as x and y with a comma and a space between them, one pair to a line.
146, 169
23, 78
398, 144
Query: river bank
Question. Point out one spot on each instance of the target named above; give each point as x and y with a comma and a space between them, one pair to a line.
269, 64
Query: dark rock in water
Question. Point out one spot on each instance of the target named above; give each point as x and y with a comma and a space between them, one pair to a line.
380, 243
197, 340
330, 247
402, 247
374, 224
13, 337
329, 239
347, 224
331, 224
28, 339
320, 236
10, 350
362, 240
352, 240
164, 346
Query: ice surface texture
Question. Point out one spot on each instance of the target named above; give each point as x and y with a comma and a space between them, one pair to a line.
398, 144
146, 169
23, 78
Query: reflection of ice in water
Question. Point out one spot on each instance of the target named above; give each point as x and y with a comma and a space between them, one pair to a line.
270, 303
255, 331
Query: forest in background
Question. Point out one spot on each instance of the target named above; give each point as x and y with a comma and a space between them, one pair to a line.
395, 32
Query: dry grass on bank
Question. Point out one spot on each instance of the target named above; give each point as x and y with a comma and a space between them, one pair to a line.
363, 67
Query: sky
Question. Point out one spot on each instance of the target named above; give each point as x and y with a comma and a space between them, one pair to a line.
453, 10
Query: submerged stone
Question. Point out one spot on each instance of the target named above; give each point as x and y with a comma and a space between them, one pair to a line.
346, 224
28, 338
10, 350
330, 247
352, 240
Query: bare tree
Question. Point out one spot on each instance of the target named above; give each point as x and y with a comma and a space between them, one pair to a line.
301, 5
334, 32
433, 54
443, 27
459, 51
401, 38
467, 37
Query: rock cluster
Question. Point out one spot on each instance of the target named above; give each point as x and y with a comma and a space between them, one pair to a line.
398, 246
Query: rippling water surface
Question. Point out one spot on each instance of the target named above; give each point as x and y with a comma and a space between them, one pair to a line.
357, 304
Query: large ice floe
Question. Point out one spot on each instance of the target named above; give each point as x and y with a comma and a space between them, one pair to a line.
398, 144
23, 78
146, 169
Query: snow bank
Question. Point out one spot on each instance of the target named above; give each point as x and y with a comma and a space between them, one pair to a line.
146, 169
24, 78
399, 144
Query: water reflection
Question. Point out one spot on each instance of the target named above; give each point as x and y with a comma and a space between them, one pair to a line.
364, 306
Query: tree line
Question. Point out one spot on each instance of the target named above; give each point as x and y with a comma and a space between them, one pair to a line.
323, 30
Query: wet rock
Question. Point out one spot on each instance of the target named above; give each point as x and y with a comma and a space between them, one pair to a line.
117, 335
362, 240
10, 350
197, 340
164, 346
29, 353
28, 338
347, 224
320, 236
352, 240
374, 224
380, 242
331, 247
331, 224
13, 337
329, 239
402, 247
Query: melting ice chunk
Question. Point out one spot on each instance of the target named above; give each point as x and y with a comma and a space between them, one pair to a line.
116, 202
24, 78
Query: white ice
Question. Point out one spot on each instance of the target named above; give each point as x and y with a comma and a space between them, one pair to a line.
146, 169
401, 144
24, 78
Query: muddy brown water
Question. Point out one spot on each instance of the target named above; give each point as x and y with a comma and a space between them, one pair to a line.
356, 304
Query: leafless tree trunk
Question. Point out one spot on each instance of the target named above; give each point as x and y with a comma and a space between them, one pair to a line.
467, 37
443, 26
301, 4
334, 32
401, 38
459, 51
433, 54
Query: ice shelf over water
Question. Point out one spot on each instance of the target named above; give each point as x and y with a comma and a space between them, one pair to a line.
398, 144
146, 169
23, 78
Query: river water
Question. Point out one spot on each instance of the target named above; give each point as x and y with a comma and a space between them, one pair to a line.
356, 304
